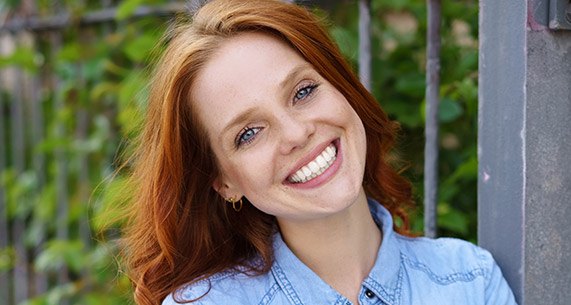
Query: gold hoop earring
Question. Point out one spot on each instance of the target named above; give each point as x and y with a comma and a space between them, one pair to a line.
233, 201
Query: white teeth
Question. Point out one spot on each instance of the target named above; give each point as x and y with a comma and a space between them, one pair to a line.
327, 157
321, 161
331, 150
315, 167
295, 177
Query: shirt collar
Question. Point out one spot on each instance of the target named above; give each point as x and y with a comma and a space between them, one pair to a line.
300, 284
303, 286
385, 278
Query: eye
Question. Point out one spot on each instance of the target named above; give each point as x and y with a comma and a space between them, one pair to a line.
304, 92
247, 135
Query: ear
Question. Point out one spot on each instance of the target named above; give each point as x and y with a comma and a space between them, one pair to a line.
225, 188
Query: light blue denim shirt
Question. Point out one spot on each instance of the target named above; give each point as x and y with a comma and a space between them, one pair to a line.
407, 271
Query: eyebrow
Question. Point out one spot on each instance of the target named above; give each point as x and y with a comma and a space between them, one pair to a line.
293, 73
244, 115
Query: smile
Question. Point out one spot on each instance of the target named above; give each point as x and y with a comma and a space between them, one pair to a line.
315, 167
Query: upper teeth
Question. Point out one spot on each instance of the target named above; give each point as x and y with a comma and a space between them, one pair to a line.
315, 167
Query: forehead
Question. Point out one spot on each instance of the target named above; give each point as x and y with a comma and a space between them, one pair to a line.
245, 70
246, 58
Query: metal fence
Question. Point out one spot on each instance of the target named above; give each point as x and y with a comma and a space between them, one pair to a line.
44, 114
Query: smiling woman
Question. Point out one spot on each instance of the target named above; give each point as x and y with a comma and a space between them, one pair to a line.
271, 123
262, 177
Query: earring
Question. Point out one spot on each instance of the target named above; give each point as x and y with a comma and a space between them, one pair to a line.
233, 201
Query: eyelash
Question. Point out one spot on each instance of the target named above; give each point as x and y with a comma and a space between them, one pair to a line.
239, 141
310, 88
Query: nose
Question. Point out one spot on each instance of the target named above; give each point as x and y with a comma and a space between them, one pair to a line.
296, 131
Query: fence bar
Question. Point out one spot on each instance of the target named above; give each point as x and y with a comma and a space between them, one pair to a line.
431, 128
4, 275
62, 230
20, 270
38, 161
365, 43
64, 20
83, 186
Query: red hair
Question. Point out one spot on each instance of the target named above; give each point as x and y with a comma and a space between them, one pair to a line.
179, 228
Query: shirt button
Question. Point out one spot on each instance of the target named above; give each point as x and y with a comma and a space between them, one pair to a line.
369, 294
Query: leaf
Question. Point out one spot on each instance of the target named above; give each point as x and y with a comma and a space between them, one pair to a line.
449, 110
132, 94
19, 187
52, 143
102, 89
127, 8
466, 170
393, 4
22, 57
45, 207
451, 219
112, 67
405, 111
346, 41
61, 253
467, 91
38, 300
468, 62
7, 258
138, 49
447, 191
71, 52
412, 85
59, 294
111, 208
93, 69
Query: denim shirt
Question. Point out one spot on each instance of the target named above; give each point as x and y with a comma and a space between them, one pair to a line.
407, 271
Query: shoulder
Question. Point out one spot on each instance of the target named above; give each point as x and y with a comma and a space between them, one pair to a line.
446, 259
229, 287
459, 269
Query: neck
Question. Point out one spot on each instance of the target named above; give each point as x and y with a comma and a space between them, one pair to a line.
341, 249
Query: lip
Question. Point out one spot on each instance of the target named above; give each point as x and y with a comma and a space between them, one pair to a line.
310, 157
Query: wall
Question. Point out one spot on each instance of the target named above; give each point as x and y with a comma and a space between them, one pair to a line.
525, 148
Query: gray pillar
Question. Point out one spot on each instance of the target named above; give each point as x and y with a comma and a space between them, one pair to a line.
524, 185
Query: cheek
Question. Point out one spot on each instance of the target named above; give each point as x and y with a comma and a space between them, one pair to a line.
342, 110
357, 129
361, 133
253, 171
350, 118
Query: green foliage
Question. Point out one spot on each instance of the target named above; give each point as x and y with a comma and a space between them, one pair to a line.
24, 58
7, 257
96, 78
399, 46
126, 8
99, 77
61, 253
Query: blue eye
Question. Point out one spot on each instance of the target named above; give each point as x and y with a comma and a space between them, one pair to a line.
304, 92
247, 135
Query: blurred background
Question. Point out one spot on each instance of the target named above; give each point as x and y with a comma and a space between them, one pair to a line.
73, 78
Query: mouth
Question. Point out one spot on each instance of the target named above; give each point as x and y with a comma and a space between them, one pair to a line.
315, 167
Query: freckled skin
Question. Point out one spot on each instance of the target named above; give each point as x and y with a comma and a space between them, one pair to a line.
286, 122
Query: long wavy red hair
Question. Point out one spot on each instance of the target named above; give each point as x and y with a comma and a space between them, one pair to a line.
179, 230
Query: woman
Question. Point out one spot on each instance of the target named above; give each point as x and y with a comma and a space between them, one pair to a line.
263, 177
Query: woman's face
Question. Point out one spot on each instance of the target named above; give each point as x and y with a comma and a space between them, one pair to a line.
282, 135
